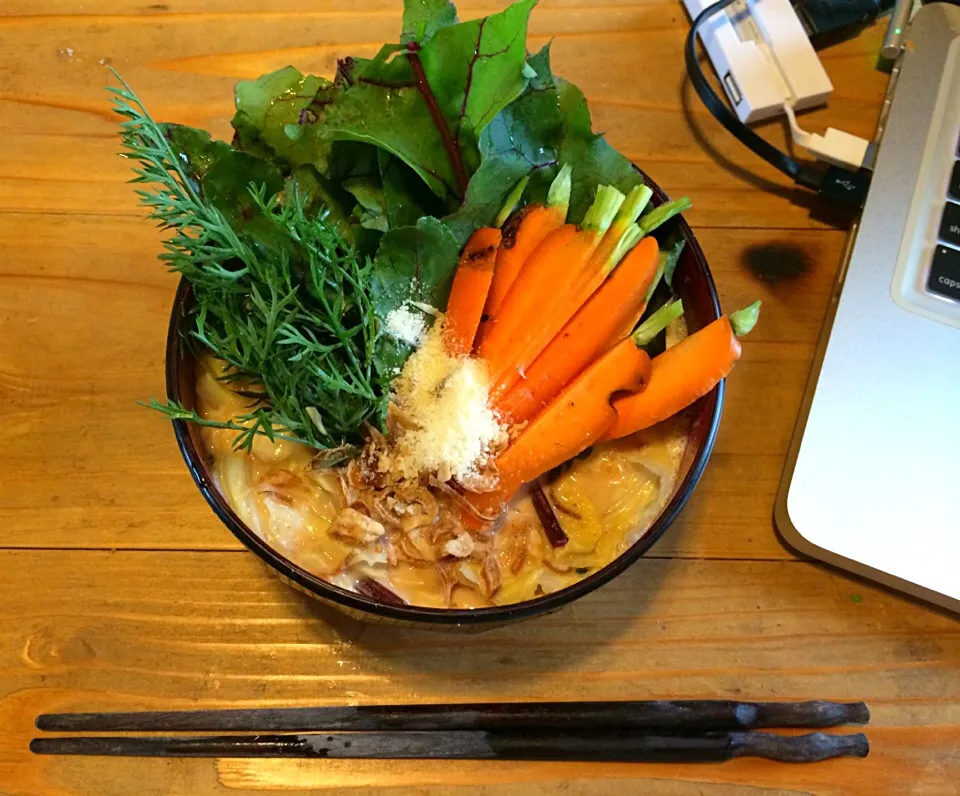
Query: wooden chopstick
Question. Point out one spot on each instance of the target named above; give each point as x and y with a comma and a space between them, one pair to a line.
692, 716
623, 746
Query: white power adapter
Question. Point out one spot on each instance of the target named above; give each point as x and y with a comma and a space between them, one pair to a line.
768, 67
763, 57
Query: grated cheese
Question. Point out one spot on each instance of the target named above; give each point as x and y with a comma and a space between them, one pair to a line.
405, 325
445, 398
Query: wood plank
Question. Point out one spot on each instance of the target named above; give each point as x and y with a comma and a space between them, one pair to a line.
140, 630
261, 779
388, 8
184, 66
84, 308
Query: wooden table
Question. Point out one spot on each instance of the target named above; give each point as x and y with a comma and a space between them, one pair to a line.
120, 589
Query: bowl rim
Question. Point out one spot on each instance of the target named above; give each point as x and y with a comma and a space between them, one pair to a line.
319, 588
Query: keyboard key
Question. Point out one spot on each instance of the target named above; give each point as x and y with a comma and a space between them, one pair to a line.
944, 277
950, 224
955, 181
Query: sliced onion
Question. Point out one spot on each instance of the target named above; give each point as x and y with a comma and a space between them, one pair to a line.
461, 500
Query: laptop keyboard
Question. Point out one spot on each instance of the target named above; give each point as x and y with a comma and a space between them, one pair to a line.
950, 224
926, 278
944, 277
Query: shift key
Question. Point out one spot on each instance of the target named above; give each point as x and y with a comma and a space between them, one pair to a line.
950, 224
944, 277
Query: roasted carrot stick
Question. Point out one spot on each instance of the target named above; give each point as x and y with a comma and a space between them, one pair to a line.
576, 419
684, 373
606, 257
522, 233
607, 317
621, 237
471, 283
532, 312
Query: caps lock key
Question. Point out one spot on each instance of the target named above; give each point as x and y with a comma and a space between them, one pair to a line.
944, 279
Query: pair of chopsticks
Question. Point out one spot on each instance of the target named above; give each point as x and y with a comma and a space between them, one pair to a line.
635, 731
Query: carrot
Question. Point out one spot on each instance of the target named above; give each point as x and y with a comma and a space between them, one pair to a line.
621, 238
606, 257
576, 419
469, 292
606, 318
684, 373
521, 235
587, 276
532, 312
471, 283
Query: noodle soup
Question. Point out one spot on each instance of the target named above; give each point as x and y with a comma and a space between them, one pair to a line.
410, 545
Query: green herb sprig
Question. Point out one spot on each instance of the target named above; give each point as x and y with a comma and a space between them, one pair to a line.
281, 297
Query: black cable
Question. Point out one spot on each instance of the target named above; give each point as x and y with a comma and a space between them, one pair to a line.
846, 185
805, 175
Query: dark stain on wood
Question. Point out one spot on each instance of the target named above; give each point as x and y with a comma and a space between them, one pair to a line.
777, 262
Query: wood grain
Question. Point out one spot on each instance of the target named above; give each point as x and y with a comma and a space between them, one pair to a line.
138, 630
178, 616
71, 411
184, 64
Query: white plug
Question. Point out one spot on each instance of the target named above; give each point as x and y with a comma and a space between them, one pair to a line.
834, 146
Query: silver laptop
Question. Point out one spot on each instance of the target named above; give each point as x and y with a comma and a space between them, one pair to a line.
872, 482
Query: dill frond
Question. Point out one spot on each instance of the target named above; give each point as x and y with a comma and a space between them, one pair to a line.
285, 302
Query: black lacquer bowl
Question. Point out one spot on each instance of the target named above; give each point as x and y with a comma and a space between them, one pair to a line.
692, 282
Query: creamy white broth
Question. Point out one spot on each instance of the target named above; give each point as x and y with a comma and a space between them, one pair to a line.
604, 502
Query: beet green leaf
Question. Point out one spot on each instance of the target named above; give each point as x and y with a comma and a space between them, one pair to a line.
278, 114
546, 126
594, 161
423, 18
415, 263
